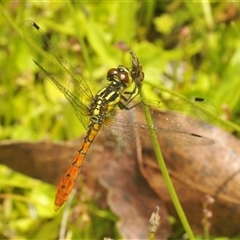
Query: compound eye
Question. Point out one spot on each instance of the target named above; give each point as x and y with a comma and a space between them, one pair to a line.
123, 75
111, 73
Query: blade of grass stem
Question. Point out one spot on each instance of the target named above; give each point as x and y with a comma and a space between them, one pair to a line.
164, 170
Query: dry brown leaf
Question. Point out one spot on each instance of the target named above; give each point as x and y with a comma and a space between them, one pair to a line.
129, 195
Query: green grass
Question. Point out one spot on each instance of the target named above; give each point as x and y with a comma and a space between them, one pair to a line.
185, 48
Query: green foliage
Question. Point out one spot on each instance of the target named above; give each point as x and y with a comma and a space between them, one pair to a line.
188, 48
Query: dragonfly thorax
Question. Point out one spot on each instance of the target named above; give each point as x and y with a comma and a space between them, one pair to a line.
105, 101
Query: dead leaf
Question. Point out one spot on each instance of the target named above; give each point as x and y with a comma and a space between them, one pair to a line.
129, 195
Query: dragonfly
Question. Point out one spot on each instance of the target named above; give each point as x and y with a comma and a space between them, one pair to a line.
120, 95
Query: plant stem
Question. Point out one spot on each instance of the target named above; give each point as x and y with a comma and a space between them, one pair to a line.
164, 170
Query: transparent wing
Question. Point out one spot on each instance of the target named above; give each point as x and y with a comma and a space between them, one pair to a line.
173, 121
182, 114
58, 70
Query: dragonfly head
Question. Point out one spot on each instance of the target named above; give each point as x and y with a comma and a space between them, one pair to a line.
120, 74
